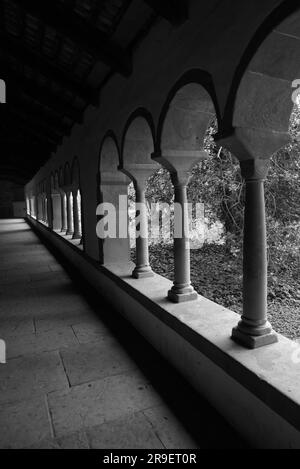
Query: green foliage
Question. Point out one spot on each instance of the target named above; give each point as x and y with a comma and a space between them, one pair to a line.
217, 183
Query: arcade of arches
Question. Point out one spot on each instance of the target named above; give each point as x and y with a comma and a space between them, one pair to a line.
238, 63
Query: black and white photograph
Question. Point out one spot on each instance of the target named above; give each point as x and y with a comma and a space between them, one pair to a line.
149, 229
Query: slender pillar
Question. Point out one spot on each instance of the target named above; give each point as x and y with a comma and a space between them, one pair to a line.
179, 164
139, 173
56, 210
254, 330
70, 225
46, 210
42, 208
77, 229
113, 190
142, 268
63, 212
182, 289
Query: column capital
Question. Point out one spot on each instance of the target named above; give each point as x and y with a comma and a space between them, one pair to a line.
248, 143
254, 170
138, 173
67, 189
113, 178
179, 163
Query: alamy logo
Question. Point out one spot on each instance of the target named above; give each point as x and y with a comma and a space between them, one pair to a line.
114, 222
2, 92
2, 351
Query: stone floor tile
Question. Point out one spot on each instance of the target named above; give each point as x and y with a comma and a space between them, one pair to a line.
91, 331
16, 327
91, 362
61, 319
38, 343
24, 423
21, 378
99, 402
77, 440
131, 432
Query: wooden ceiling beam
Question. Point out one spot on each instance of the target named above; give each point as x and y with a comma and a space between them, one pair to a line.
15, 122
48, 68
38, 119
19, 84
69, 24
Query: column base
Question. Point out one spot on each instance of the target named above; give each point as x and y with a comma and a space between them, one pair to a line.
142, 273
76, 236
253, 341
178, 297
69, 232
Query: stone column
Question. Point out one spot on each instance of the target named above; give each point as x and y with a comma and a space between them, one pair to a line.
35, 206
253, 148
40, 208
56, 210
70, 225
182, 289
179, 165
139, 174
45, 209
77, 230
49, 207
113, 190
254, 330
63, 211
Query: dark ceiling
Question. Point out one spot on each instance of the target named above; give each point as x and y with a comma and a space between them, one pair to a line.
55, 57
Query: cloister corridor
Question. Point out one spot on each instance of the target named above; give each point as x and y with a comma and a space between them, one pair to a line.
77, 375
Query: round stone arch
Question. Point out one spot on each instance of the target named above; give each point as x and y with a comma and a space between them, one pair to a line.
138, 138
56, 214
61, 189
112, 192
77, 201
136, 163
260, 106
67, 179
56, 181
52, 182
137, 148
185, 115
189, 108
61, 178
109, 154
184, 121
260, 101
75, 174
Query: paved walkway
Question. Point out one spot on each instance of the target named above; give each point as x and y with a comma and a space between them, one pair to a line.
77, 377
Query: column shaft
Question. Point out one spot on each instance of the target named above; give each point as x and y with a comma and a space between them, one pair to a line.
70, 227
77, 231
142, 268
63, 212
182, 289
254, 330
